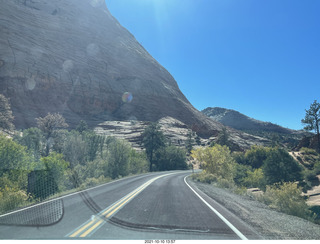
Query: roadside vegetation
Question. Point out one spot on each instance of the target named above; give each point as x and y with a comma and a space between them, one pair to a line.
49, 160
35, 166
279, 179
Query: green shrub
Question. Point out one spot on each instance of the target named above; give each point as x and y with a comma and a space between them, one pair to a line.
225, 183
205, 177
211, 178
256, 156
286, 198
239, 158
241, 173
308, 151
280, 166
91, 182
310, 175
299, 159
208, 178
11, 198
316, 167
308, 158
14, 162
34, 140
316, 213
255, 179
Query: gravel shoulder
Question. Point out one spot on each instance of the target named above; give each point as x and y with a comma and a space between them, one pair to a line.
267, 222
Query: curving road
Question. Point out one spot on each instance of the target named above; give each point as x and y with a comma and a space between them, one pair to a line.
150, 206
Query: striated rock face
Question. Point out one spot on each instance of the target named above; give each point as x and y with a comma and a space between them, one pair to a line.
73, 57
175, 131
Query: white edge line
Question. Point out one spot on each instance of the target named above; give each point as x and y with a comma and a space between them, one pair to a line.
235, 230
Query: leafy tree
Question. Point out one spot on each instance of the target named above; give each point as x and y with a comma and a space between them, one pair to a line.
198, 140
41, 184
275, 139
57, 140
256, 156
6, 117
75, 149
94, 144
118, 159
14, 162
189, 142
153, 139
51, 122
48, 125
279, 166
34, 140
82, 126
49, 176
94, 169
312, 120
239, 157
170, 158
217, 160
241, 172
223, 138
56, 165
138, 162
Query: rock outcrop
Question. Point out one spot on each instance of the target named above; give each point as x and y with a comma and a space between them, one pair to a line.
73, 57
175, 131
240, 121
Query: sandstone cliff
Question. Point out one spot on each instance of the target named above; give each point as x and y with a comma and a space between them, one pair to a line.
73, 57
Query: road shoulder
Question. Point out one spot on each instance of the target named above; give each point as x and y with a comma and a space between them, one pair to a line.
268, 223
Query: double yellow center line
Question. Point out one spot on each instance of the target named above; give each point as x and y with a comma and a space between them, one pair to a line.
98, 220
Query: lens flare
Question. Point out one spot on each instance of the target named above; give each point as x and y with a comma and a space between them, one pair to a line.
127, 97
67, 66
92, 49
30, 84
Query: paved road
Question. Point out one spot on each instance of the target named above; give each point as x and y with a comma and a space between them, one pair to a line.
150, 206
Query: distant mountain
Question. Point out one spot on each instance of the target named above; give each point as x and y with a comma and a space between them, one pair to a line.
242, 122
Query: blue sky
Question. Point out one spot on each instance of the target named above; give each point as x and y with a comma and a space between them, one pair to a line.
259, 57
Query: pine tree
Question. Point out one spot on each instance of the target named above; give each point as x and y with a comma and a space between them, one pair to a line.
312, 120
153, 139
49, 124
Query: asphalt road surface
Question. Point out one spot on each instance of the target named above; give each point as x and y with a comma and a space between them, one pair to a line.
145, 207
